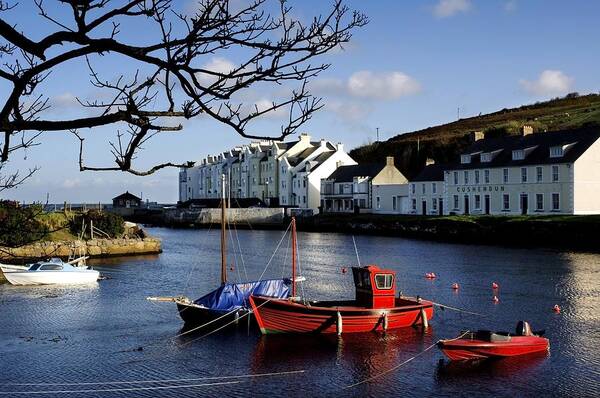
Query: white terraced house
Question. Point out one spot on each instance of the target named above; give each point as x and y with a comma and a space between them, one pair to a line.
533, 174
278, 173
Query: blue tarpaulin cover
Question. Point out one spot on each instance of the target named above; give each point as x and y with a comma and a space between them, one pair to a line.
232, 296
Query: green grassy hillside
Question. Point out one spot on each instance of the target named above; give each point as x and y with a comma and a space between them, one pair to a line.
443, 143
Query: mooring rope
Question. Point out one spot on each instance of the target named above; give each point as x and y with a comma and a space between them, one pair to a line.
391, 369
118, 389
402, 363
224, 326
444, 306
245, 376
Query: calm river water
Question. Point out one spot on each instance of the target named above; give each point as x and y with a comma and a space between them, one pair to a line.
93, 335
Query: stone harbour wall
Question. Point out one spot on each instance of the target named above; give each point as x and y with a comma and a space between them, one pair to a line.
92, 248
252, 216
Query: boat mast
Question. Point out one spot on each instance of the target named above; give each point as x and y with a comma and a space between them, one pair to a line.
223, 240
294, 254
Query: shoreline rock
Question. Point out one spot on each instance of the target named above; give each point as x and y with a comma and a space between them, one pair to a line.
94, 248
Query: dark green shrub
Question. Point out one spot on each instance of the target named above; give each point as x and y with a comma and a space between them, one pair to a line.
18, 225
110, 223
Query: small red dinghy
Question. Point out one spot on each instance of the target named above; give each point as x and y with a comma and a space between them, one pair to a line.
485, 344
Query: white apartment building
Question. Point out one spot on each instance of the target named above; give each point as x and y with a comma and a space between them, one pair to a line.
533, 174
372, 188
279, 173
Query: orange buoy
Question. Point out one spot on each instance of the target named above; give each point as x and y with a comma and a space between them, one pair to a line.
455, 286
344, 270
495, 299
556, 308
494, 285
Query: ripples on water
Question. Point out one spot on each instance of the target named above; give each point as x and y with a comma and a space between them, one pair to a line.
58, 334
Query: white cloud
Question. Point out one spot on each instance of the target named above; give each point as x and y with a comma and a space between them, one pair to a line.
550, 82
216, 64
384, 86
71, 183
510, 6
448, 8
349, 111
65, 100
279, 113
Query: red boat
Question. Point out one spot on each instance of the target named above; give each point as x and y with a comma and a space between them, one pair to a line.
375, 307
484, 344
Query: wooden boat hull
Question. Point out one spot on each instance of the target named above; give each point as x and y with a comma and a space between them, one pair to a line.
467, 349
194, 315
285, 316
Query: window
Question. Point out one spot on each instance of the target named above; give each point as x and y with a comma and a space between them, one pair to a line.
505, 175
556, 151
555, 173
555, 201
466, 174
51, 267
340, 189
465, 159
523, 174
539, 201
476, 176
378, 201
433, 188
384, 281
455, 202
434, 204
414, 205
456, 178
394, 203
413, 188
362, 203
486, 176
304, 199
506, 202
539, 172
478, 202
423, 188
486, 157
518, 154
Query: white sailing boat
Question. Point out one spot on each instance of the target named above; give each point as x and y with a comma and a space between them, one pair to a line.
51, 272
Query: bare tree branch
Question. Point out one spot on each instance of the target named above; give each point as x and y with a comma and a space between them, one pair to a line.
177, 82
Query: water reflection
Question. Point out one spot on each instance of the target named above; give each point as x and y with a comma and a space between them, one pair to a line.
102, 325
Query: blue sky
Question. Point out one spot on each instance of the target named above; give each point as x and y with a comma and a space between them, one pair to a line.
411, 67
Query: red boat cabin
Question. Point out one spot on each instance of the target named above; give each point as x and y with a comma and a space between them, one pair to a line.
375, 287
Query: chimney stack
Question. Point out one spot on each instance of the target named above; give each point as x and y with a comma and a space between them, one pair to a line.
527, 129
478, 135
338, 164
340, 147
304, 137
389, 161
429, 161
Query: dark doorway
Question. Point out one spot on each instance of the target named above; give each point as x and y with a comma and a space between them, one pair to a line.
466, 204
524, 204
487, 204
441, 207
424, 207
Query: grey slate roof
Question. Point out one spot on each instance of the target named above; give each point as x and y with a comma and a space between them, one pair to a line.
347, 173
581, 138
432, 172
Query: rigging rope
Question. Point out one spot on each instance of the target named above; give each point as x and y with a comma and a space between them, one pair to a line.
274, 252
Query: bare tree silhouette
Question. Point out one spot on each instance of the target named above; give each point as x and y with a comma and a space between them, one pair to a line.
171, 81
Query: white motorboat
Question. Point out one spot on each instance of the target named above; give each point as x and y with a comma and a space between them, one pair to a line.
51, 272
